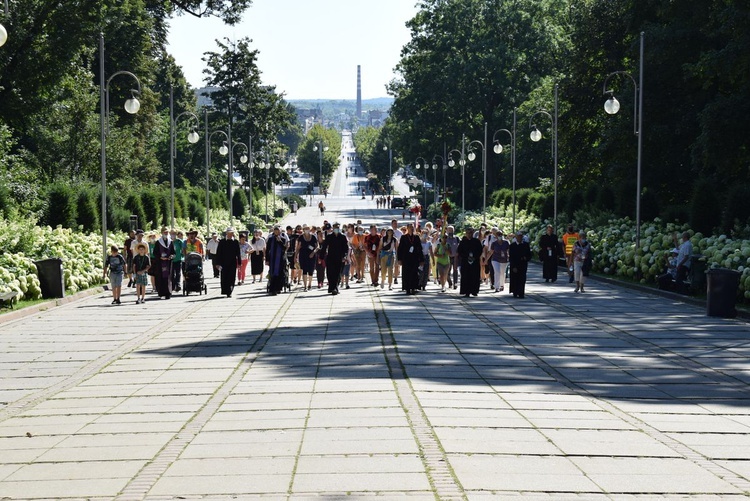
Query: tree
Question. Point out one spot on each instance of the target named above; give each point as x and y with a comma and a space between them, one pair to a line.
240, 99
309, 160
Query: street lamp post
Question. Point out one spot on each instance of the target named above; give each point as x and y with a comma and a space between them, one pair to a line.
472, 156
387, 147
251, 165
320, 147
424, 183
461, 162
498, 148
536, 136
434, 169
223, 150
132, 106
192, 138
243, 159
3, 31
612, 106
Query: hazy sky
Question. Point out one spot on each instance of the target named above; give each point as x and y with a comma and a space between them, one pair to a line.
308, 48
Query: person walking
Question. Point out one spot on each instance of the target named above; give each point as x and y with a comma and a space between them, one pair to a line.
179, 252
141, 264
244, 259
548, 254
386, 252
469, 254
164, 254
305, 256
129, 257
499, 260
228, 259
116, 265
443, 260
372, 242
410, 258
320, 263
257, 255
397, 234
519, 254
429, 258
358, 246
452, 241
582, 259
569, 239
276, 259
335, 248
211, 248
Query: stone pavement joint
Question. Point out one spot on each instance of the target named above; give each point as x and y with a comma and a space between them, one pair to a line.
88, 370
681, 449
442, 478
142, 483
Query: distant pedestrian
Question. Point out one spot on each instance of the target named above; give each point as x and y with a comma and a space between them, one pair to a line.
582, 261
257, 255
245, 249
569, 239
276, 259
228, 259
141, 265
116, 264
469, 254
164, 253
410, 258
549, 253
519, 255
499, 260
179, 252
211, 248
335, 248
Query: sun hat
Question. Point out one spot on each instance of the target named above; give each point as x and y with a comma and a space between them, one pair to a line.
140, 245
229, 230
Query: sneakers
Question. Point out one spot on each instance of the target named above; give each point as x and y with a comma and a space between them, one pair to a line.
382, 286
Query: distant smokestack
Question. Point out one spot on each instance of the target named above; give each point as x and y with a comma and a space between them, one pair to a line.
359, 91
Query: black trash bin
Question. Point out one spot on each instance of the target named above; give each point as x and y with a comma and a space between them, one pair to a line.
697, 274
51, 277
278, 213
722, 292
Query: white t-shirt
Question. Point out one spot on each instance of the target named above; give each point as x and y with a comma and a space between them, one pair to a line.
212, 246
426, 246
397, 234
259, 245
686, 250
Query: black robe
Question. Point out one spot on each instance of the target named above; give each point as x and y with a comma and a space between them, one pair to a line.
410, 256
276, 249
335, 248
228, 257
469, 252
162, 264
519, 255
549, 252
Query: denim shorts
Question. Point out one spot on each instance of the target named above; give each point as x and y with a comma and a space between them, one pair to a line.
115, 279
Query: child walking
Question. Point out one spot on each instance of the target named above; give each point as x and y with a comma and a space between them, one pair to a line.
141, 265
116, 264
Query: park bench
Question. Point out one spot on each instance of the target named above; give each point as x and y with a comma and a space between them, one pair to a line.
6, 299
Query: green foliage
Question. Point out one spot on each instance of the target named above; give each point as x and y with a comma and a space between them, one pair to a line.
151, 210
62, 206
737, 210
88, 211
239, 204
288, 199
309, 160
704, 205
135, 206
197, 211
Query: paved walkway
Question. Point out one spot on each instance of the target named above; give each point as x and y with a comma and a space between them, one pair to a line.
371, 394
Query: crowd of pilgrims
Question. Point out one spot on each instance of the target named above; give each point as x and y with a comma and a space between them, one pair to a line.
337, 256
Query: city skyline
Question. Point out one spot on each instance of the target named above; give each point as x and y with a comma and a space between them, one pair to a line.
316, 55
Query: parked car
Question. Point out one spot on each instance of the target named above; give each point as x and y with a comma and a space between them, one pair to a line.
398, 203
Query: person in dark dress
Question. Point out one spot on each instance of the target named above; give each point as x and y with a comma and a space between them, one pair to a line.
519, 256
276, 259
229, 259
410, 257
163, 255
335, 249
257, 255
549, 252
469, 251
306, 254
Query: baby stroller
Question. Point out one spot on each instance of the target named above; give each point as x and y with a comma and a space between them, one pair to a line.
193, 277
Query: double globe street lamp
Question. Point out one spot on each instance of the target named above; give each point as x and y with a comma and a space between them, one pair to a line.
132, 105
192, 138
536, 136
3, 31
387, 147
434, 171
612, 106
498, 149
320, 147
223, 150
424, 183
